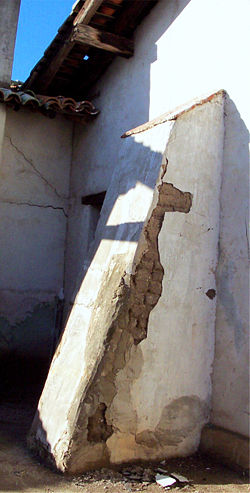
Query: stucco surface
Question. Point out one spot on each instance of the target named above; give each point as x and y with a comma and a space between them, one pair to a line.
176, 58
230, 376
33, 203
168, 376
2, 128
82, 222
140, 334
111, 256
127, 398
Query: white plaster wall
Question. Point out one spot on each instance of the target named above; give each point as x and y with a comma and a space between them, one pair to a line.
200, 54
163, 393
182, 50
2, 128
170, 370
230, 407
114, 248
34, 191
81, 228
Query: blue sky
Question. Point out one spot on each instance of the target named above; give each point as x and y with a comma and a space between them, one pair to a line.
38, 23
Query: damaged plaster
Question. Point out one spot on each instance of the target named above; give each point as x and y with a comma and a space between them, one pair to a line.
141, 307
136, 297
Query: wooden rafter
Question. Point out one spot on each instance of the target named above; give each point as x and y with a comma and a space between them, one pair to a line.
92, 26
53, 68
90, 36
87, 11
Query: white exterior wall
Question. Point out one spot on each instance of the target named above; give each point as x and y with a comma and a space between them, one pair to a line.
183, 50
2, 128
33, 207
157, 392
230, 406
168, 375
115, 246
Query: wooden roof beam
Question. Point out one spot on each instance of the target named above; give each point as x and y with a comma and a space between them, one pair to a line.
90, 36
46, 78
87, 11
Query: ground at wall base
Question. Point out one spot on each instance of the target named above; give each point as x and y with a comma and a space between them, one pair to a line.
21, 471
226, 446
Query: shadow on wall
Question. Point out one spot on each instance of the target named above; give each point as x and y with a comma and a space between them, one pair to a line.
134, 73
117, 234
34, 325
122, 183
142, 170
232, 315
139, 170
234, 220
204, 472
17, 364
124, 102
95, 177
130, 196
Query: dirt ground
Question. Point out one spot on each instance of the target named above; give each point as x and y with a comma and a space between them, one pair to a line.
20, 471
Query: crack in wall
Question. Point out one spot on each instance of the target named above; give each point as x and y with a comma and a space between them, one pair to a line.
136, 297
67, 233
36, 171
35, 205
247, 238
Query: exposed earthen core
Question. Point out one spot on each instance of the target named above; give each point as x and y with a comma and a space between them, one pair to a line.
97, 425
146, 284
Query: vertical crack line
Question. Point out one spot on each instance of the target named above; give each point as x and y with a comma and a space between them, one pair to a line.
247, 237
36, 171
69, 207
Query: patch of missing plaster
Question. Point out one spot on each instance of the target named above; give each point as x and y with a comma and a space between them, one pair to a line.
211, 293
98, 429
146, 284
